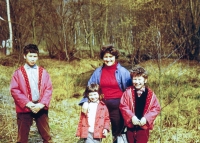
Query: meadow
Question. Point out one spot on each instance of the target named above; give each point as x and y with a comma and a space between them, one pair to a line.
176, 84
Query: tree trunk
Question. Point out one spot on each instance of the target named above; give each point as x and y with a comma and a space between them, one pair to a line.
33, 22
64, 31
10, 40
91, 31
105, 37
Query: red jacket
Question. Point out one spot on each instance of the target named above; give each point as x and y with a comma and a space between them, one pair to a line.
102, 121
21, 93
127, 105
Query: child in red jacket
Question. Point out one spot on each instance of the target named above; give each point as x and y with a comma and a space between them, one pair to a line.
94, 125
139, 107
31, 89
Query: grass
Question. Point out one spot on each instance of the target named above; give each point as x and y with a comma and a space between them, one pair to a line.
175, 84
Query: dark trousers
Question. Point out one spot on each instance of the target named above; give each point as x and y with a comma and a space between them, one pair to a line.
137, 135
24, 122
116, 118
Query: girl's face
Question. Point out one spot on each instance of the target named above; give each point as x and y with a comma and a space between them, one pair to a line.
139, 82
31, 58
109, 59
93, 96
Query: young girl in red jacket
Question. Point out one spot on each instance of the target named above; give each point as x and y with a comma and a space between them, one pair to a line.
139, 107
94, 125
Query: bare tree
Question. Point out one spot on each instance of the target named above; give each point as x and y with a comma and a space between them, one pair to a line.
10, 39
66, 28
185, 23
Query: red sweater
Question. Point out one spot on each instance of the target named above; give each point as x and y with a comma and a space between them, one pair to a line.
108, 82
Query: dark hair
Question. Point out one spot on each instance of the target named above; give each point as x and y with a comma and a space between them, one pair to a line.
93, 88
32, 48
109, 49
138, 71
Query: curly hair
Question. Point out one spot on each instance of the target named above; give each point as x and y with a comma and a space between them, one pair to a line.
138, 71
109, 49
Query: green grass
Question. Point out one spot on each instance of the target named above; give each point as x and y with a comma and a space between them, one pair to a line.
175, 84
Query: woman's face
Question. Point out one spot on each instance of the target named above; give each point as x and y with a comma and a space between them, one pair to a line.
109, 59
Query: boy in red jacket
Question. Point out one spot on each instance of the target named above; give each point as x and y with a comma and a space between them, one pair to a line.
139, 107
31, 89
94, 125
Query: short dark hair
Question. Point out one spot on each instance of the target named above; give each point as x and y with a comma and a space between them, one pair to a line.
93, 88
109, 49
138, 71
32, 48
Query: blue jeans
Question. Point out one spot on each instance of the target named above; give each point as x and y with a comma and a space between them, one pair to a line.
90, 139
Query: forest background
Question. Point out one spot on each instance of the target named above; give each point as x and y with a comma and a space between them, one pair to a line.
161, 35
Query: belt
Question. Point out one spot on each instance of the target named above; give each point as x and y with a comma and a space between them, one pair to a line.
35, 102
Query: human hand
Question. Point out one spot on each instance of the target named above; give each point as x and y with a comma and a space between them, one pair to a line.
143, 121
85, 107
105, 132
135, 120
37, 107
30, 105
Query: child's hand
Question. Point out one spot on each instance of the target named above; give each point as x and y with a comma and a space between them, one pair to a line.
135, 120
30, 105
85, 107
105, 132
37, 107
143, 121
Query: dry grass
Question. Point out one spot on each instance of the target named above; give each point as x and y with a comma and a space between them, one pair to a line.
175, 84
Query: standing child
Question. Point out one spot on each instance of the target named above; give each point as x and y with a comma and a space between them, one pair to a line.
31, 89
94, 125
139, 107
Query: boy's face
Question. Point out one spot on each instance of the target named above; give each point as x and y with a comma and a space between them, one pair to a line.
139, 82
31, 58
93, 96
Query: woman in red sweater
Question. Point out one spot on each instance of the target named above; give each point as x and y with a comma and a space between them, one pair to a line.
113, 79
